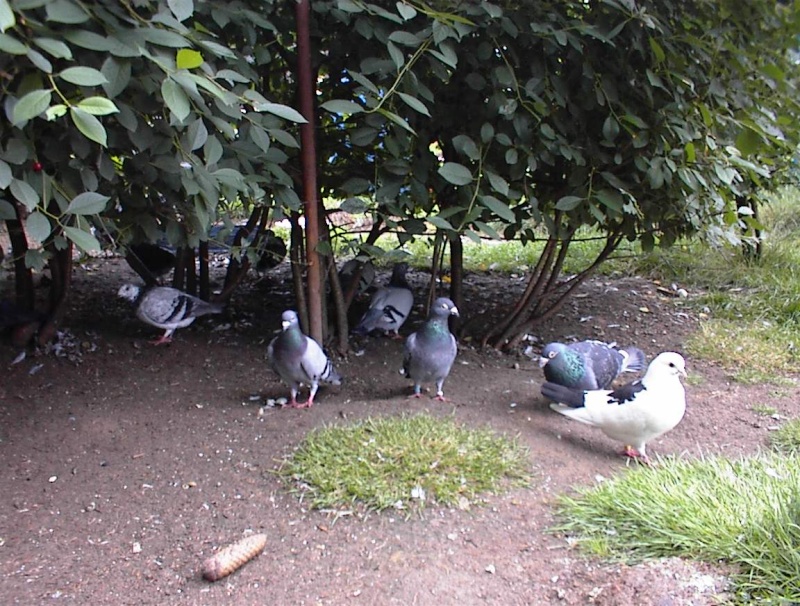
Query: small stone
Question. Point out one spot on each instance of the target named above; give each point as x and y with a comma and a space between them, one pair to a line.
52, 479
490, 569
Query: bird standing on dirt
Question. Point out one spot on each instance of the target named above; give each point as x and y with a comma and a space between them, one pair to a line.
297, 358
166, 308
431, 351
634, 413
589, 364
390, 305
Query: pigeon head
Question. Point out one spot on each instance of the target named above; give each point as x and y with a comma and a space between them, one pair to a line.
443, 307
288, 319
399, 275
550, 351
129, 292
668, 363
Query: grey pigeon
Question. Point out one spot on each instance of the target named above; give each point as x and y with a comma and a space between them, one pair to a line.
167, 308
634, 413
297, 358
589, 364
390, 305
431, 351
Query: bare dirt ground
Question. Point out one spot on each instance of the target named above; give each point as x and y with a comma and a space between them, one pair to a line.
123, 465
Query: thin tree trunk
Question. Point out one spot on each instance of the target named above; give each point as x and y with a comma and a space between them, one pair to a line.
457, 276
296, 256
61, 274
308, 158
23, 276
205, 284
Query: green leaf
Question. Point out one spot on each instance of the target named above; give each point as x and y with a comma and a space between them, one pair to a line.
83, 76
487, 229
498, 183
7, 19
5, 175
658, 52
55, 48
414, 104
87, 203
31, 105
90, 126
689, 149
40, 61
568, 203
748, 142
455, 173
465, 145
182, 9
188, 58
82, 239
406, 11
55, 111
610, 128
175, 98
7, 211
440, 223
66, 11
610, 199
342, 106
12, 46
260, 137
196, 135
393, 117
498, 208
405, 38
38, 226
282, 111
98, 106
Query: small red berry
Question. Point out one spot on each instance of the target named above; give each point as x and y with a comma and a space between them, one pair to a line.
37, 167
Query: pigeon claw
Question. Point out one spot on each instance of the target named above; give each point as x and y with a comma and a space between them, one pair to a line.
297, 404
440, 397
162, 340
631, 452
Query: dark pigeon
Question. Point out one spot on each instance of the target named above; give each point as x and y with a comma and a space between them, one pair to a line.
589, 364
431, 351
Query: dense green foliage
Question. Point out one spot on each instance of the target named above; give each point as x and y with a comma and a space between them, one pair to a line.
648, 121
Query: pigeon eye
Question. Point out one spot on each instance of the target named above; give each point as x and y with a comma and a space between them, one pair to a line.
551, 355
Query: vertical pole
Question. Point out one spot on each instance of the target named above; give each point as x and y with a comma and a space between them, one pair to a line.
308, 157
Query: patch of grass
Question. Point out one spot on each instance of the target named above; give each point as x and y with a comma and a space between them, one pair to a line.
763, 410
744, 512
787, 438
405, 462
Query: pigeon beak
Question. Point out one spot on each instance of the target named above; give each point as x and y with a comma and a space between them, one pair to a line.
284, 325
454, 311
543, 361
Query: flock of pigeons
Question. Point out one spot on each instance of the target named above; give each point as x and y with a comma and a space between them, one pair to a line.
578, 376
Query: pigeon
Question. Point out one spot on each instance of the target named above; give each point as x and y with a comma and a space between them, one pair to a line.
166, 307
390, 305
150, 261
271, 251
348, 272
634, 413
430, 352
589, 364
298, 359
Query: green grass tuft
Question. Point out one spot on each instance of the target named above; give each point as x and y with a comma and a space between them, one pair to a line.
787, 438
744, 512
405, 462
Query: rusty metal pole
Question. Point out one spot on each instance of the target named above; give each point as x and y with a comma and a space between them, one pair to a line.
308, 157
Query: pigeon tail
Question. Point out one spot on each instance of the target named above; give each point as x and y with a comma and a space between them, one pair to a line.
564, 395
635, 360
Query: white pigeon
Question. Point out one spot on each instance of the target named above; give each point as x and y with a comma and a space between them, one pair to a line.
634, 413
297, 358
390, 305
166, 308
